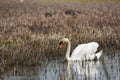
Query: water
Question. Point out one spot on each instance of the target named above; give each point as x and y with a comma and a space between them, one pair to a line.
108, 68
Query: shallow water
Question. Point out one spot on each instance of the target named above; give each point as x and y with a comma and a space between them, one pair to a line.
108, 68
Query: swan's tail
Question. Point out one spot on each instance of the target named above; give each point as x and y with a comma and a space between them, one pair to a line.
98, 55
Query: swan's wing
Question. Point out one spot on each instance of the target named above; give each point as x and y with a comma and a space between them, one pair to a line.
78, 49
85, 50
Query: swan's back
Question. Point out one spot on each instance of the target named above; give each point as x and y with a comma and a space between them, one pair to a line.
85, 51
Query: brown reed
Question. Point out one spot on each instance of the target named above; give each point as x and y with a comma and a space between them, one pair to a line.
30, 31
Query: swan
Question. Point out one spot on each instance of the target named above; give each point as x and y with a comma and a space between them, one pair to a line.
82, 51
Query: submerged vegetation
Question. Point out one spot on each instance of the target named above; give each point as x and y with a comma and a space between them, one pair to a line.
30, 31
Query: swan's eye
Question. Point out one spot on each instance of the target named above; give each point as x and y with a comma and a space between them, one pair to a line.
60, 44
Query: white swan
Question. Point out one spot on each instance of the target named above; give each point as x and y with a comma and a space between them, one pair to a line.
82, 51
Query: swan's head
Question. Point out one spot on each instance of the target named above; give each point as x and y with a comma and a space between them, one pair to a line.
62, 41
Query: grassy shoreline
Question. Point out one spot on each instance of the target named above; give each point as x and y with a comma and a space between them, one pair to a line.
30, 32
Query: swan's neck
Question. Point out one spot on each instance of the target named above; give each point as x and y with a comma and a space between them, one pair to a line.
68, 51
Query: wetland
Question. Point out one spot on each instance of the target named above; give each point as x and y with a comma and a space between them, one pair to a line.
30, 34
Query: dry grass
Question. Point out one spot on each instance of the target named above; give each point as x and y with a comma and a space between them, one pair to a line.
30, 31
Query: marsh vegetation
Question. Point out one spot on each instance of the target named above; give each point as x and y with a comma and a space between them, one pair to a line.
30, 31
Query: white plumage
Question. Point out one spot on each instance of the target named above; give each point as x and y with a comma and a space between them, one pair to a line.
83, 51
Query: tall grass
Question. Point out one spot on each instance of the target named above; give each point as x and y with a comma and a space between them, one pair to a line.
30, 32
78, 1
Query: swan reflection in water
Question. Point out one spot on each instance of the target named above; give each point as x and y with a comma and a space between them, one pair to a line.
86, 70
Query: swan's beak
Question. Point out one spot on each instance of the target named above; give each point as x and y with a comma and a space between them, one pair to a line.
60, 44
